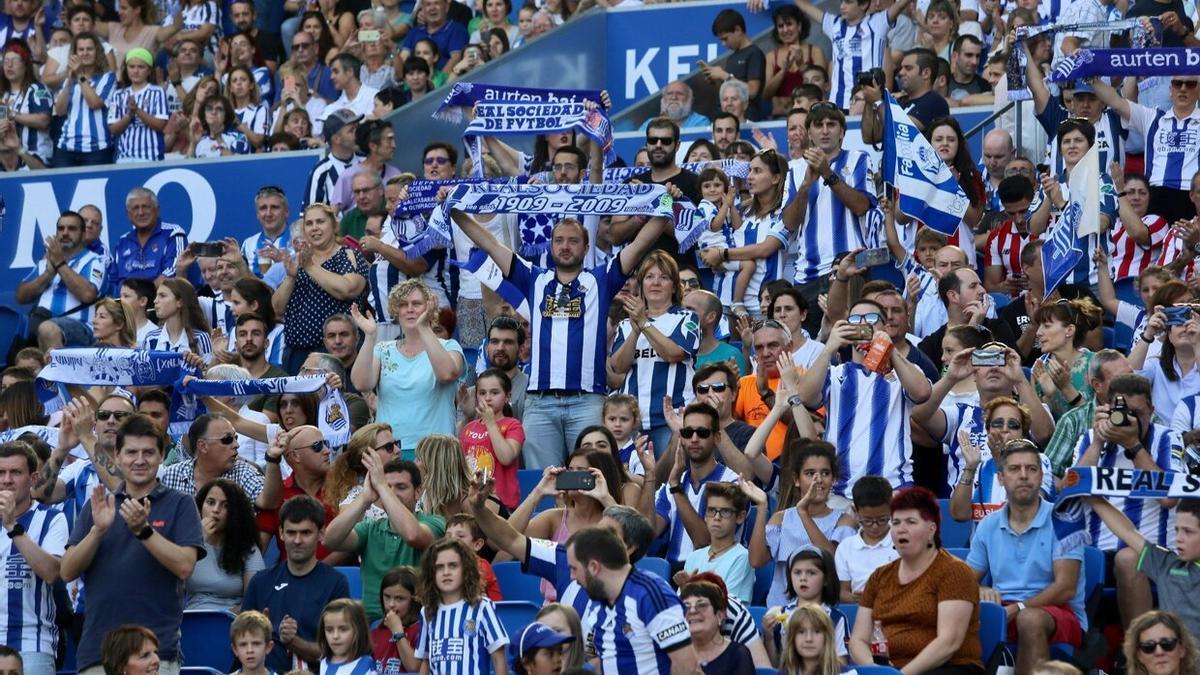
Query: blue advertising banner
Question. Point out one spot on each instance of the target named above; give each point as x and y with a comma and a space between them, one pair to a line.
209, 199
651, 45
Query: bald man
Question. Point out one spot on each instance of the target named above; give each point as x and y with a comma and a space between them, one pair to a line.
998, 149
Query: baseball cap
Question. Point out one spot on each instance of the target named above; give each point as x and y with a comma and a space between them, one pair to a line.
1083, 87
339, 119
537, 636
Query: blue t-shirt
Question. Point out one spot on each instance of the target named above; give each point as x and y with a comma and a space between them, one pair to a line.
279, 593
451, 37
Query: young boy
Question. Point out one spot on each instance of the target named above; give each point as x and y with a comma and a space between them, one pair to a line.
464, 528
251, 638
623, 418
747, 63
1177, 573
860, 555
723, 515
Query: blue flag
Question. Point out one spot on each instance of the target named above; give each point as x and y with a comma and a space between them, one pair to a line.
926, 189
1059, 253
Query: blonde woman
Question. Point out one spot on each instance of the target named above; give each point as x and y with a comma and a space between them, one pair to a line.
444, 491
346, 475
113, 324
417, 375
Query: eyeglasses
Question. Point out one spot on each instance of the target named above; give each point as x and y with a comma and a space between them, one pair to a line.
103, 415
715, 387
1010, 424
1184, 84
659, 140
227, 439
316, 446
702, 432
1168, 644
360, 191
690, 283
439, 160
390, 446
565, 167
301, 45
724, 513
875, 522
698, 606
869, 317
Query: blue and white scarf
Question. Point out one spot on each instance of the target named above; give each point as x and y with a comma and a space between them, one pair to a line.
421, 200
1070, 509
1145, 62
1018, 88
734, 168
464, 95
106, 367
535, 118
333, 417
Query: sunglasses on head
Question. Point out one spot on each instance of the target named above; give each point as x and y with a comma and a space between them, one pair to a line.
702, 432
715, 387
659, 140
227, 439
1168, 645
103, 415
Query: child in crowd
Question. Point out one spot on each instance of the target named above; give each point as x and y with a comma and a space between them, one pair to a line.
538, 650
345, 639
250, 635
812, 578
729, 284
464, 528
813, 648
1130, 318
724, 513
460, 632
393, 640
492, 441
622, 417
871, 547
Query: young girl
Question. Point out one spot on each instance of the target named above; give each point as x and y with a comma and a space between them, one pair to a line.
182, 326
393, 639
729, 284
1130, 318
492, 441
622, 417
538, 650
814, 644
812, 579
460, 632
138, 114
212, 135
343, 637
252, 116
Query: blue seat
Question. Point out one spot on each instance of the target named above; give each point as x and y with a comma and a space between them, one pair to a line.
954, 534
875, 670
765, 671
993, 627
959, 552
850, 611
1110, 337
758, 612
271, 555
527, 480
653, 565
515, 615
1094, 564
204, 639
354, 578
200, 671
12, 328
763, 576
1001, 300
517, 585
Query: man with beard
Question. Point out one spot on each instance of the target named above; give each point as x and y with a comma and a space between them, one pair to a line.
725, 130
567, 379
65, 283
1039, 582
676, 104
502, 350
74, 484
268, 48
251, 333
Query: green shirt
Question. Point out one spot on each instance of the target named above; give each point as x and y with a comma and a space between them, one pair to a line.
1067, 431
723, 352
1059, 405
381, 549
354, 223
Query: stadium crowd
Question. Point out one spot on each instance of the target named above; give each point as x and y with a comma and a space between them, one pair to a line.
749, 454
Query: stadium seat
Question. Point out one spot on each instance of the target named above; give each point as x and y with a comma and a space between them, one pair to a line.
1001, 300
954, 533
875, 670
527, 480
758, 612
204, 639
959, 552
271, 556
765, 671
516, 614
1110, 337
12, 326
762, 583
354, 577
850, 611
189, 670
655, 566
993, 626
517, 585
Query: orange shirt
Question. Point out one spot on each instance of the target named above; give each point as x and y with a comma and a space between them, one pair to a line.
751, 409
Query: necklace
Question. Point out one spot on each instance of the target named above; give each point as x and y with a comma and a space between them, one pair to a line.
714, 553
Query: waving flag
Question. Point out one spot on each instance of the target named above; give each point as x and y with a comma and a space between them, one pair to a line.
927, 189
1061, 253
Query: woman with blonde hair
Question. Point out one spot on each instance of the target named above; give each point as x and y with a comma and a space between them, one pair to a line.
416, 375
564, 619
1055, 668
444, 490
810, 649
344, 481
1157, 643
113, 324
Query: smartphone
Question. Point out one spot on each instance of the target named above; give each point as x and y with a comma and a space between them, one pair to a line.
472, 53
208, 249
368, 36
3, 112
1043, 169
987, 357
574, 480
862, 332
872, 257
352, 243
1177, 315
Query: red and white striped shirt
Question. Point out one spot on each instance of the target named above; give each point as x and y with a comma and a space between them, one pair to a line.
1172, 248
1004, 246
1129, 258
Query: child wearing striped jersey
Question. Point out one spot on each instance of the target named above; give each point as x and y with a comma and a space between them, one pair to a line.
345, 639
729, 284
213, 134
250, 634
137, 114
812, 580
182, 326
622, 416
460, 632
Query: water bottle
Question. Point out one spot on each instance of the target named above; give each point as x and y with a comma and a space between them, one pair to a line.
879, 646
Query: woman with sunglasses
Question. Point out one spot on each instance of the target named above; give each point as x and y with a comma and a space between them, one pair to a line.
231, 543
1157, 643
1007, 422
345, 479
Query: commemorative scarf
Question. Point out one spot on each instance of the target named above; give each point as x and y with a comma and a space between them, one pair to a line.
464, 95
1144, 62
421, 200
106, 367
1018, 88
1070, 510
333, 418
535, 118
734, 168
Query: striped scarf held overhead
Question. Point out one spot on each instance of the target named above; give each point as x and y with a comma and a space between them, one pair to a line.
1018, 87
1070, 509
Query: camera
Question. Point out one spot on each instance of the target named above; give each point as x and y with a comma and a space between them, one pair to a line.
987, 357
1119, 415
870, 78
1177, 315
208, 249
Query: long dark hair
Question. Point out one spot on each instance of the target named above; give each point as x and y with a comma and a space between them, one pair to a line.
968, 176
325, 42
191, 316
615, 473
241, 534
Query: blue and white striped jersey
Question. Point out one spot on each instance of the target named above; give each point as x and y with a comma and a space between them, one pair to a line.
28, 603
139, 143
324, 177
57, 298
856, 49
35, 99
159, 340
398, 233
234, 141
755, 230
679, 544
651, 377
218, 313
85, 129
256, 117
962, 417
1154, 522
867, 421
548, 560
9, 30
254, 243
635, 635
79, 478
829, 228
461, 638
1172, 145
569, 324
196, 16
363, 665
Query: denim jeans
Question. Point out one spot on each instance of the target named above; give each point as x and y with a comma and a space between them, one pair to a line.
37, 662
552, 424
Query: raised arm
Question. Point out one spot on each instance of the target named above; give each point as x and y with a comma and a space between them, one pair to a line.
483, 238
498, 532
365, 373
631, 256
1112, 98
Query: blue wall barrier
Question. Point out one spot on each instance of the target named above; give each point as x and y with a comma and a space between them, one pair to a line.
209, 199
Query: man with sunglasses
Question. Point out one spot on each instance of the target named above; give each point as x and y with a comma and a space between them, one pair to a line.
1079, 99
72, 485
1039, 582
215, 455
867, 412
339, 132
716, 385
306, 61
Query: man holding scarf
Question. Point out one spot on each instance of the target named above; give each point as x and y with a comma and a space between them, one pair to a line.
569, 331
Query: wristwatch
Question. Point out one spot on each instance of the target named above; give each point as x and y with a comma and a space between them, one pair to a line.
1130, 453
396, 637
832, 180
1020, 607
795, 400
145, 533
16, 531
675, 489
